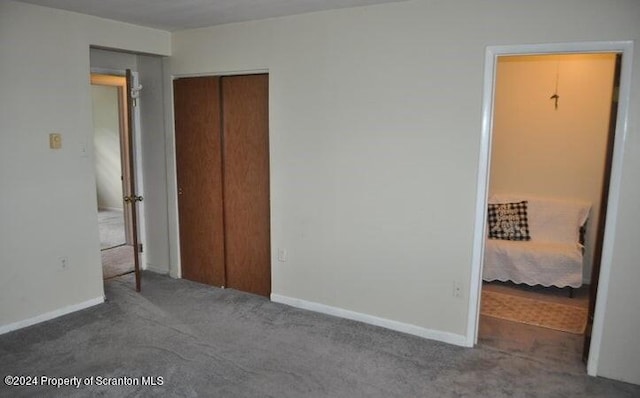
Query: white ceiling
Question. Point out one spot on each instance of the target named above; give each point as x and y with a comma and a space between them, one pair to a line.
175, 15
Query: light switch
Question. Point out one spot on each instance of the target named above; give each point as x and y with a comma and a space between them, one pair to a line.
55, 141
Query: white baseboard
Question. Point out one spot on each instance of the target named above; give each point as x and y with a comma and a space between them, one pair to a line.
156, 269
50, 315
437, 335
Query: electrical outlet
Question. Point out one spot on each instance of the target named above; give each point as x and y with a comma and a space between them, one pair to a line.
457, 289
63, 261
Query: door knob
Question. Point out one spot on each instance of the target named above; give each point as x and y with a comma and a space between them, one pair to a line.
133, 199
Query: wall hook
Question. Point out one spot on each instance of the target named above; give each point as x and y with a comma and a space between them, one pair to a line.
555, 97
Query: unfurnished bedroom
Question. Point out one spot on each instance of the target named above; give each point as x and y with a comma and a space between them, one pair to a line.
340, 198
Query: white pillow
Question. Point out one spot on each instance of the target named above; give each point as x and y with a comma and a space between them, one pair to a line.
551, 219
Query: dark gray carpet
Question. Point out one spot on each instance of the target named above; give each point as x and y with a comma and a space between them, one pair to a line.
210, 342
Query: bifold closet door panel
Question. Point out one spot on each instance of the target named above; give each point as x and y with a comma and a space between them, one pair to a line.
199, 173
245, 114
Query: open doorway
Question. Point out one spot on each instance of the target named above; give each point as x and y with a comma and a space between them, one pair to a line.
611, 194
549, 166
109, 105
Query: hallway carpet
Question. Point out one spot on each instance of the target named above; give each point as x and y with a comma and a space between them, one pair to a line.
117, 261
111, 224
210, 342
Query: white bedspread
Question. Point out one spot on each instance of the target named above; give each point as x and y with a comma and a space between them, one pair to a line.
531, 262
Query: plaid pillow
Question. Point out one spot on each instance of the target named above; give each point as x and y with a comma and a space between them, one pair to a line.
508, 221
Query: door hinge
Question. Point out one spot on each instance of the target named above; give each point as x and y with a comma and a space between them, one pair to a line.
140, 248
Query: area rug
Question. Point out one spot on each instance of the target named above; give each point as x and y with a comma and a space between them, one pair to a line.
565, 318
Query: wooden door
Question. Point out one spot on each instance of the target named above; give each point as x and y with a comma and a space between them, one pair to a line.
199, 174
132, 197
245, 116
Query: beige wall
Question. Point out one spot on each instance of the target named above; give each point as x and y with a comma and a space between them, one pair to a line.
50, 209
539, 150
152, 102
375, 121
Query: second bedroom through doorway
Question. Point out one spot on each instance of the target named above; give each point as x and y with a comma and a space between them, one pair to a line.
548, 177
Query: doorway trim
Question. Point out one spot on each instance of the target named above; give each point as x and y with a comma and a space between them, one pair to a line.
484, 163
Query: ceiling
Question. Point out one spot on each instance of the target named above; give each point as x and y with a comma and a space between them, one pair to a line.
175, 15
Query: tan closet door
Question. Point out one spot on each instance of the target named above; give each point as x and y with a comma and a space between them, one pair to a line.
198, 164
245, 112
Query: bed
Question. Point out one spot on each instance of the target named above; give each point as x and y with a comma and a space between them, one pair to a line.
535, 240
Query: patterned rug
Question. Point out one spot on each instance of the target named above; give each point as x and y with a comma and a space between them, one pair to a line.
565, 318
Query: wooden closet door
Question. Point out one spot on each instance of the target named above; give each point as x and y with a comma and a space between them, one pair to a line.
198, 164
245, 114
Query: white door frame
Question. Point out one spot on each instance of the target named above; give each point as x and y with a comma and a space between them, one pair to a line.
491, 55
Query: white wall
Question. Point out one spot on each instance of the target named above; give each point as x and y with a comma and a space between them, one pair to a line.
539, 150
106, 140
152, 101
375, 120
48, 203
112, 62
